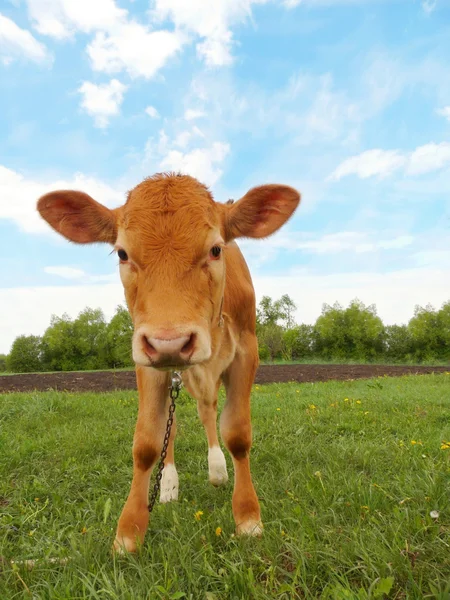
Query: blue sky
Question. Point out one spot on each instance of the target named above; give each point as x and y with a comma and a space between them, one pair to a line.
347, 100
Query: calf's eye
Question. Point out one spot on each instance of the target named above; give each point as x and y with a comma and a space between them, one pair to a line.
122, 255
215, 251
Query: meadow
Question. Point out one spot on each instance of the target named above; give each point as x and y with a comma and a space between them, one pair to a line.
353, 479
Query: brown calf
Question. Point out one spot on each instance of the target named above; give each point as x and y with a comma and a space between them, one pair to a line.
191, 298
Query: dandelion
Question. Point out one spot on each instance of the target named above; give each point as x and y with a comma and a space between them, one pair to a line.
298, 391
278, 408
413, 442
198, 515
345, 399
358, 402
445, 445
365, 507
84, 530
218, 531
312, 407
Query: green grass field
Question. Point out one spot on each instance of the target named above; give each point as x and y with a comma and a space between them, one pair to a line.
347, 474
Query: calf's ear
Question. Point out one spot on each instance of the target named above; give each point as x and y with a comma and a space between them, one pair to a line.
78, 217
261, 211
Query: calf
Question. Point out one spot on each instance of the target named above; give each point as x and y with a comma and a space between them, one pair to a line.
191, 299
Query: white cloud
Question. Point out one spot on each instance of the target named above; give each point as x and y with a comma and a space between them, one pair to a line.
133, 48
330, 243
18, 197
19, 43
102, 101
444, 112
152, 112
211, 21
28, 310
65, 272
78, 274
424, 159
202, 163
63, 18
430, 157
395, 293
192, 114
429, 6
370, 163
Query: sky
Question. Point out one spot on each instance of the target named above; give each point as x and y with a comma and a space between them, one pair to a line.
346, 100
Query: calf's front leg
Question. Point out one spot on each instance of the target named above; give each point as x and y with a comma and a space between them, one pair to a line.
147, 446
236, 432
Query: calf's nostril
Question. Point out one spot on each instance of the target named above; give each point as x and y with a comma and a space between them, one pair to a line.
148, 348
189, 345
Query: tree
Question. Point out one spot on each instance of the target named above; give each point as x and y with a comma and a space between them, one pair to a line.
269, 312
58, 345
352, 333
25, 355
2, 363
271, 338
91, 339
298, 342
119, 335
398, 343
430, 332
287, 309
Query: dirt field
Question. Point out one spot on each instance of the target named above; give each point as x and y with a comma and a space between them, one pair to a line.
103, 381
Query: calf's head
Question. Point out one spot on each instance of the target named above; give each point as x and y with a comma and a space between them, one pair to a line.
170, 237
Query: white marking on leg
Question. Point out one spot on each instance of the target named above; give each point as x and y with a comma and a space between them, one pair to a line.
169, 484
252, 528
217, 466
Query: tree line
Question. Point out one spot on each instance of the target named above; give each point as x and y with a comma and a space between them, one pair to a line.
354, 333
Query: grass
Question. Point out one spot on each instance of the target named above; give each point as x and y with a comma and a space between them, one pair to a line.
347, 474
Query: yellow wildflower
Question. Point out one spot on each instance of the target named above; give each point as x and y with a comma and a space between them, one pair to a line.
84, 530
445, 445
358, 402
312, 407
218, 531
345, 399
283, 533
198, 515
36, 499
278, 408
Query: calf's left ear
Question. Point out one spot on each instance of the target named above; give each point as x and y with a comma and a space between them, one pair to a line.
261, 211
78, 217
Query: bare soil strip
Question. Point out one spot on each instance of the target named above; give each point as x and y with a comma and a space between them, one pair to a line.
105, 381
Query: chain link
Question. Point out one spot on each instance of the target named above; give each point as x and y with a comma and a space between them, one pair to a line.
175, 387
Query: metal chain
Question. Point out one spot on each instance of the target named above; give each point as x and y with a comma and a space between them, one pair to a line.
175, 387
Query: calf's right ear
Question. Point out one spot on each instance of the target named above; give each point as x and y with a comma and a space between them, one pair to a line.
78, 217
